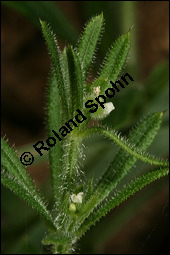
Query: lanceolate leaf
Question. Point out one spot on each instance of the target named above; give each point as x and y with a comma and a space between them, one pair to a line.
76, 79
141, 136
28, 195
56, 65
121, 196
116, 58
114, 62
55, 121
72, 160
15, 177
67, 81
12, 163
126, 146
89, 39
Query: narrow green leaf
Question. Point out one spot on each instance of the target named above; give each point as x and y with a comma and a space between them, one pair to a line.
11, 162
89, 189
72, 145
56, 65
125, 145
127, 191
72, 159
67, 83
27, 195
76, 80
114, 22
114, 62
89, 39
141, 136
116, 58
55, 122
15, 177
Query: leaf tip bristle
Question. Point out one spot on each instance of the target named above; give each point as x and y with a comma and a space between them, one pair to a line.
42, 22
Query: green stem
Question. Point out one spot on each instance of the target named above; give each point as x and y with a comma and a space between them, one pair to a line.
62, 249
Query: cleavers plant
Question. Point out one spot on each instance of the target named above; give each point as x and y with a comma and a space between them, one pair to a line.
78, 202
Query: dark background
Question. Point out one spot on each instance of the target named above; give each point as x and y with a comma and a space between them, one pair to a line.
140, 225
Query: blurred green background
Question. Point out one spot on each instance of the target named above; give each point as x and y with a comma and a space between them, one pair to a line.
140, 225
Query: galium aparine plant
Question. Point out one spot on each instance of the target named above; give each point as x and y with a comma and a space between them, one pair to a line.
75, 197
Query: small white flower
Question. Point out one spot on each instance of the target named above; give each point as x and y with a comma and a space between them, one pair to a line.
96, 90
77, 198
103, 113
108, 108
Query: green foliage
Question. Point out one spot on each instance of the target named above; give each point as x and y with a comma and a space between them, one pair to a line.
67, 92
114, 62
120, 196
57, 65
129, 148
76, 79
53, 108
88, 41
141, 137
15, 177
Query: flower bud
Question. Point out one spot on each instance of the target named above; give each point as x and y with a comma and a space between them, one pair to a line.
103, 113
72, 207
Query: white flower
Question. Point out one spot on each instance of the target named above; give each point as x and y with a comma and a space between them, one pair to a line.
96, 90
77, 198
108, 108
103, 113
